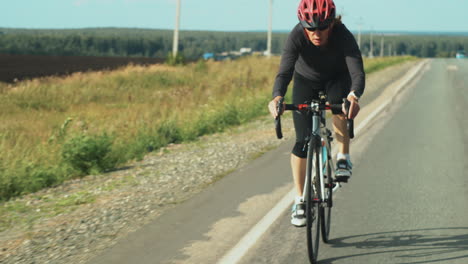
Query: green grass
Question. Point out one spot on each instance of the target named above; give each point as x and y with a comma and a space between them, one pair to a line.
376, 64
56, 129
22, 213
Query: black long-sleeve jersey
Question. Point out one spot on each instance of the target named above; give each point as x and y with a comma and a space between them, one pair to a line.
320, 64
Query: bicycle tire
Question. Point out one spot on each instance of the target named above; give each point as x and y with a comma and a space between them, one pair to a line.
312, 204
326, 208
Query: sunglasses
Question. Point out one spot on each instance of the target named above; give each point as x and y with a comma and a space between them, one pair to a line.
320, 28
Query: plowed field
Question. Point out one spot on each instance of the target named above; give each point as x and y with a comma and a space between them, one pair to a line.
19, 67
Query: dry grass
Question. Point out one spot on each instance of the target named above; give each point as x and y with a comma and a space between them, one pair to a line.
141, 108
39, 115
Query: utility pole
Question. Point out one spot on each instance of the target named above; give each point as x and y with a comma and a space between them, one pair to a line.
270, 21
371, 51
382, 46
359, 32
175, 44
390, 49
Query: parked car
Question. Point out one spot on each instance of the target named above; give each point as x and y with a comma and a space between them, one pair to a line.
208, 56
460, 55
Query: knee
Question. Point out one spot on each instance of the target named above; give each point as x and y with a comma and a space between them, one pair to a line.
300, 150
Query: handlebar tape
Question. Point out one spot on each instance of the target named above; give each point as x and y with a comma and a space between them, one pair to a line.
350, 122
279, 109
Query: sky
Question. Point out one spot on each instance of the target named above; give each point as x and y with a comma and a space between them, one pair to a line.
231, 15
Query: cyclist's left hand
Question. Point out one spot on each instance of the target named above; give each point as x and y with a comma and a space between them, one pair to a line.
352, 97
353, 108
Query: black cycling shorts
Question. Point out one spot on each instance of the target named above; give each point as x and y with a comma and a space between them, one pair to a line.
304, 90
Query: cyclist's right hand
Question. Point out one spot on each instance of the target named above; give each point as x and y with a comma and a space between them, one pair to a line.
273, 106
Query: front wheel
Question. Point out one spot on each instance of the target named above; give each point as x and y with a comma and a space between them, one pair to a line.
312, 204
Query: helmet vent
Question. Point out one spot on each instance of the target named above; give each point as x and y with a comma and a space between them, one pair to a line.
314, 12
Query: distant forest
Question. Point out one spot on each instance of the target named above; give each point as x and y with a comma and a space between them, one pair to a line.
132, 42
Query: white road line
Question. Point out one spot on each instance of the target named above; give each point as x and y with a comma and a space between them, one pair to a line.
238, 251
249, 239
452, 68
372, 115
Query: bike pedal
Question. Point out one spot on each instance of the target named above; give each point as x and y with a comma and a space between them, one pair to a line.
341, 179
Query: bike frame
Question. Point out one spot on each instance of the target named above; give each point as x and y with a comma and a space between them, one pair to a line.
317, 143
317, 194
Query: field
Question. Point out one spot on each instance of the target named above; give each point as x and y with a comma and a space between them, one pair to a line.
58, 128
20, 67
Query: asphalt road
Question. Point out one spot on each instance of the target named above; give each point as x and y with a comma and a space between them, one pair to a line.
408, 198
406, 202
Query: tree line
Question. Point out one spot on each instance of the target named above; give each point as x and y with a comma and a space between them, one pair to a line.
133, 42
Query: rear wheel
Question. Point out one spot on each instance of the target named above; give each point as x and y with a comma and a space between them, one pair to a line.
326, 206
312, 204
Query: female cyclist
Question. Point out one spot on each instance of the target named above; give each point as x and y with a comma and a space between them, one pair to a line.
322, 55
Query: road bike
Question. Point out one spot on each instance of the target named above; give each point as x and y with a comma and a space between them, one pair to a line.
319, 182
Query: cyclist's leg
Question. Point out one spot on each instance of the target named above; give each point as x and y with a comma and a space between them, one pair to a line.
298, 166
304, 90
341, 133
336, 91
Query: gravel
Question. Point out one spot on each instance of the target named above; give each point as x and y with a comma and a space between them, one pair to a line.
76, 221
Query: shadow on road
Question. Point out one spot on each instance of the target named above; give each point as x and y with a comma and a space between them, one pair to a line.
408, 246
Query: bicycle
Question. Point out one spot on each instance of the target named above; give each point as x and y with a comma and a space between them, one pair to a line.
319, 184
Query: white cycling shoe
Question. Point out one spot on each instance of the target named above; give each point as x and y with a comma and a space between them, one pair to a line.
343, 170
298, 217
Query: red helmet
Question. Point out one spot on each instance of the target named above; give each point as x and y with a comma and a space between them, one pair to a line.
316, 13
